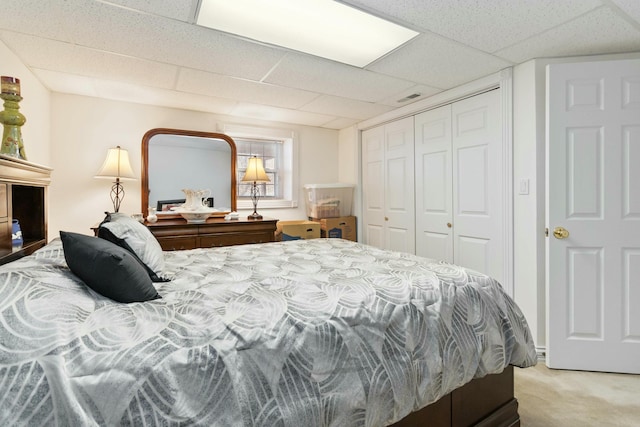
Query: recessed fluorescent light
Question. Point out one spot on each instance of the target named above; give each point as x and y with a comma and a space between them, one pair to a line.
319, 27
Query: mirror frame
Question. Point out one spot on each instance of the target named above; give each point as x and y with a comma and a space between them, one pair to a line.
167, 131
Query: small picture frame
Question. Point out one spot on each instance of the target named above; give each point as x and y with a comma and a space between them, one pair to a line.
166, 205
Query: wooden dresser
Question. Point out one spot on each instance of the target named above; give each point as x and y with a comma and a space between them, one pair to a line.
23, 196
176, 234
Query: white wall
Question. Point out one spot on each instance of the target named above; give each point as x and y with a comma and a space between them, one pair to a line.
528, 164
35, 106
83, 128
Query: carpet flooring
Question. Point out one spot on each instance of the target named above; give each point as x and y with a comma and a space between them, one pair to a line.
558, 398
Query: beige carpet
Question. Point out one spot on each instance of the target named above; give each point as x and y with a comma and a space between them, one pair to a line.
550, 398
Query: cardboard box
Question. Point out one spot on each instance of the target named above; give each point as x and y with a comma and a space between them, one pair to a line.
295, 230
328, 200
341, 228
323, 211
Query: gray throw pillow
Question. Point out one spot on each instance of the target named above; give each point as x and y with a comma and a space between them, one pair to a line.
107, 268
130, 234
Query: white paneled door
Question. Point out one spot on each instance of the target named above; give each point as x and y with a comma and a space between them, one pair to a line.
478, 203
388, 186
373, 183
593, 215
399, 186
434, 184
459, 184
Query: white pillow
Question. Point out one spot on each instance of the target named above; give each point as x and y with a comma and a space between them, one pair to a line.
125, 231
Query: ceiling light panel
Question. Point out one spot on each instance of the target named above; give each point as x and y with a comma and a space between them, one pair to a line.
322, 28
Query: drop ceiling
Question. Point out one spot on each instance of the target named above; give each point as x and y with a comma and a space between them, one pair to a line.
152, 52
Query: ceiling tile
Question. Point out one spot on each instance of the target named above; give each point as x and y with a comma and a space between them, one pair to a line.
114, 29
344, 107
182, 10
36, 17
600, 31
438, 62
485, 25
263, 112
196, 81
630, 7
66, 83
161, 97
339, 123
317, 75
77, 60
118, 91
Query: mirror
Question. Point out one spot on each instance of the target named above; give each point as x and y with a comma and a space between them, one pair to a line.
174, 159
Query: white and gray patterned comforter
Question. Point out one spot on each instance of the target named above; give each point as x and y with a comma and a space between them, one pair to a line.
322, 332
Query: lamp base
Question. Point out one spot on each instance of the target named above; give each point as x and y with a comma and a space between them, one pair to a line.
255, 216
117, 194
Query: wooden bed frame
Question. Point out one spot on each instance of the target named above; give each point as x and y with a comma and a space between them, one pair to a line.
484, 402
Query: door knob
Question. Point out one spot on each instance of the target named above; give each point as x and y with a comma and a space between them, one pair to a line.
386, 218
560, 233
449, 225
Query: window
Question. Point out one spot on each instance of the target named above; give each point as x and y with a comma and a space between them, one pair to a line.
270, 151
277, 149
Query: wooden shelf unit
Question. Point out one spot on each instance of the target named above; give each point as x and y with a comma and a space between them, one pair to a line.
23, 196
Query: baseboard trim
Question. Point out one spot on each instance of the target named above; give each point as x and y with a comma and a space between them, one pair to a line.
541, 353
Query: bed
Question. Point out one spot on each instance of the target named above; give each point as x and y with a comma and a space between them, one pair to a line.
323, 332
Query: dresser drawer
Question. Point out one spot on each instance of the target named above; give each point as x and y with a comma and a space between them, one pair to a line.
177, 243
176, 234
230, 239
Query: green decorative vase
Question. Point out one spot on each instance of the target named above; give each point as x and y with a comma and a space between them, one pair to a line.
12, 119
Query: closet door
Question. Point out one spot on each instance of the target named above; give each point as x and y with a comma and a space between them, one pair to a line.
399, 186
478, 193
459, 184
434, 188
373, 187
388, 186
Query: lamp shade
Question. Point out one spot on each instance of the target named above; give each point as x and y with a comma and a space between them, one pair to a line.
255, 171
116, 165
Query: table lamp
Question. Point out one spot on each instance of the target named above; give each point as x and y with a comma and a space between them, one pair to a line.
255, 173
116, 166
